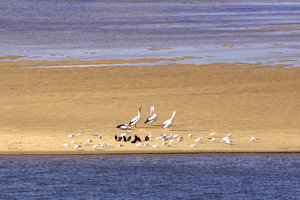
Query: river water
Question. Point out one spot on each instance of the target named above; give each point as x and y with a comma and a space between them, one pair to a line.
214, 31
150, 177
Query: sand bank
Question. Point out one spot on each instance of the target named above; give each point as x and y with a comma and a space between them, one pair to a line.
41, 107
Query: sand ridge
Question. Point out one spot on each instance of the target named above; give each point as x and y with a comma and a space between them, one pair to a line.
41, 107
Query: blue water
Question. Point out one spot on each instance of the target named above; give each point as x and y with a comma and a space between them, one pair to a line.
150, 177
110, 29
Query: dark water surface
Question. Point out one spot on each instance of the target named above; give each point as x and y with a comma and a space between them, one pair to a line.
256, 31
150, 177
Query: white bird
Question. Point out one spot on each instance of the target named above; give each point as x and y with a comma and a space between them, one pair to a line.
193, 145
212, 134
212, 139
124, 127
136, 119
102, 145
146, 143
190, 135
229, 135
198, 139
120, 145
257, 138
77, 146
72, 142
171, 141
252, 139
179, 139
65, 145
138, 144
95, 146
154, 146
169, 122
71, 135
89, 140
149, 135
95, 134
78, 134
153, 117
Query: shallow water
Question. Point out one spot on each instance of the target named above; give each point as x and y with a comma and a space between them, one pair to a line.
129, 29
150, 177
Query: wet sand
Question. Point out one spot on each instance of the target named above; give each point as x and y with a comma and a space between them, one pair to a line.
41, 107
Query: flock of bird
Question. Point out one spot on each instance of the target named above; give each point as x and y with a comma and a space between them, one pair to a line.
127, 137
152, 118
167, 140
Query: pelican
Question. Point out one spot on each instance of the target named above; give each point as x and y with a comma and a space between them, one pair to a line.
135, 120
124, 127
153, 116
169, 122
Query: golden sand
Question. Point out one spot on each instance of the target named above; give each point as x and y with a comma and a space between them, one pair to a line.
41, 107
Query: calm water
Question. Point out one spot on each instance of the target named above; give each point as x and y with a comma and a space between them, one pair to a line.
127, 29
151, 177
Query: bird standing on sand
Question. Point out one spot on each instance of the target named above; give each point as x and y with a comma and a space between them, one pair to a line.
153, 116
124, 127
169, 122
135, 120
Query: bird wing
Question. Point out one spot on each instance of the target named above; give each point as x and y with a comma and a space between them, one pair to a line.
133, 120
152, 118
166, 123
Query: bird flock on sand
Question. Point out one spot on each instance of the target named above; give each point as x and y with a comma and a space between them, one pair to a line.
167, 140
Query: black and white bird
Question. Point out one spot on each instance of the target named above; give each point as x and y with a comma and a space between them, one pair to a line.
153, 116
169, 122
136, 119
118, 138
147, 138
124, 127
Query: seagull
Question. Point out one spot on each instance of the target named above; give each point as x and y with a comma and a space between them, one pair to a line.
71, 135
124, 127
154, 146
252, 139
212, 134
198, 139
76, 146
193, 145
190, 135
65, 145
95, 146
153, 116
138, 144
212, 139
135, 120
169, 122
